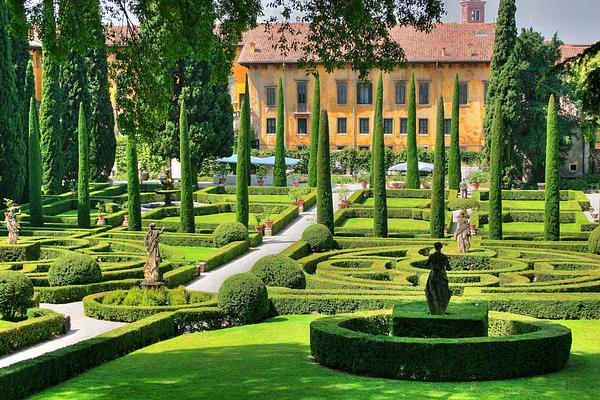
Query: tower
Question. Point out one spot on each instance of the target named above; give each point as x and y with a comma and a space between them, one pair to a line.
472, 11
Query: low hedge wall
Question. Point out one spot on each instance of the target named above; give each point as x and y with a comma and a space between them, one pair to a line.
67, 294
24, 251
40, 326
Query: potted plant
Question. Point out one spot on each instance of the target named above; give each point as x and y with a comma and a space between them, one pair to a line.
261, 173
363, 178
477, 178
295, 180
268, 222
297, 195
259, 217
221, 172
101, 207
343, 193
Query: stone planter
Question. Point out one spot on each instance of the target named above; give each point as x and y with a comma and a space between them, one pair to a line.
475, 186
101, 220
269, 224
300, 204
259, 228
541, 186
260, 182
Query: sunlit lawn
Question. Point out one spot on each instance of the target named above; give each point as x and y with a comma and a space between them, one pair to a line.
517, 205
393, 224
5, 324
73, 213
215, 218
533, 227
402, 202
191, 253
258, 198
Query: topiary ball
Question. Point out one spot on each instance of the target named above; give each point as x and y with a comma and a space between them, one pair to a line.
318, 237
16, 292
229, 232
74, 269
281, 271
244, 297
594, 241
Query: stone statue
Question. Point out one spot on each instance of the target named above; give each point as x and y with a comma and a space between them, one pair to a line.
13, 227
437, 290
463, 233
463, 189
152, 275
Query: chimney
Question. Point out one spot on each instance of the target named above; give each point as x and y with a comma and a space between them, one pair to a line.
252, 47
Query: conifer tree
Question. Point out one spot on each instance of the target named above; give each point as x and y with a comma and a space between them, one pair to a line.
413, 180
134, 202
552, 206
314, 133
380, 223
496, 167
242, 168
324, 199
36, 217
186, 210
29, 93
83, 176
454, 172
438, 204
279, 176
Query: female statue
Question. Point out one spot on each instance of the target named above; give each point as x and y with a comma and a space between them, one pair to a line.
152, 273
463, 233
13, 227
437, 290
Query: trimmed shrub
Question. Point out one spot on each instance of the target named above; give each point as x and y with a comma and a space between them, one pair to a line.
318, 237
278, 270
454, 172
244, 297
378, 170
324, 200
552, 205
242, 174
41, 325
412, 155
74, 269
83, 175
16, 292
594, 241
134, 207
439, 166
314, 133
186, 213
279, 176
229, 232
496, 168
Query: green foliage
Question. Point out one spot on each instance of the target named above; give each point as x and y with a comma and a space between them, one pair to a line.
412, 159
552, 205
318, 237
244, 298
74, 269
314, 133
83, 177
454, 172
438, 206
186, 212
36, 217
134, 203
380, 215
16, 292
229, 232
479, 177
243, 167
278, 270
324, 199
279, 175
594, 241
496, 167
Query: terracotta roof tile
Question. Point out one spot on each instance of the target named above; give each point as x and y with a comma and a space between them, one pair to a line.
572, 50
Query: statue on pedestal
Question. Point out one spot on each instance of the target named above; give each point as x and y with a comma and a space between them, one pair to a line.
152, 275
463, 189
12, 226
437, 290
463, 233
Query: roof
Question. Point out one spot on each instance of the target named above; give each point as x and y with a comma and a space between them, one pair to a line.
570, 51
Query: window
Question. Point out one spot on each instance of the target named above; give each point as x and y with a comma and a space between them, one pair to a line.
463, 93
363, 125
271, 97
341, 147
362, 148
423, 93
388, 126
574, 167
271, 126
302, 126
447, 126
475, 15
242, 96
364, 92
342, 92
401, 92
403, 126
423, 126
301, 96
485, 90
342, 125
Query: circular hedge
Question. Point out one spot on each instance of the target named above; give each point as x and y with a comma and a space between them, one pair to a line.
362, 345
318, 237
594, 241
16, 292
277, 270
229, 232
74, 269
244, 297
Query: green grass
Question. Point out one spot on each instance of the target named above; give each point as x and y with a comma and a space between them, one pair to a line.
269, 361
393, 224
215, 218
5, 324
516, 205
402, 202
191, 253
258, 198
519, 227
73, 213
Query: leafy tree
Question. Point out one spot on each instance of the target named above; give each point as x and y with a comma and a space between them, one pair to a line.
454, 172
314, 133
438, 205
552, 205
584, 73
186, 210
413, 180
243, 166
36, 217
324, 199
279, 176
496, 167
83, 176
380, 224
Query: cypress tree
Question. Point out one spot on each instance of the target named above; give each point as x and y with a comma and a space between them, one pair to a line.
324, 199
380, 224
30, 85
279, 177
496, 167
83, 176
186, 210
36, 217
454, 173
50, 107
438, 205
413, 180
243, 165
134, 203
552, 207
314, 133
29, 93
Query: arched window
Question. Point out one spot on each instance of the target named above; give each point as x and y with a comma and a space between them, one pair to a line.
475, 15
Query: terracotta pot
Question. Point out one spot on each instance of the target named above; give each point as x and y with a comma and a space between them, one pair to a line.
541, 186
475, 186
346, 202
259, 228
396, 185
260, 182
343, 205
101, 220
269, 224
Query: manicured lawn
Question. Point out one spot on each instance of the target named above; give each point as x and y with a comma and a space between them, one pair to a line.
215, 218
402, 202
533, 227
393, 223
191, 253
73, 213
570, 205
269, 361
258, 198
5, 324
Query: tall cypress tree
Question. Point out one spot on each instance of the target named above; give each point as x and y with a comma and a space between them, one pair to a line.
413, 181
134, 202
552, 206
380, 224
83, 176
243, 165
36, 217
496, 167
438, 205
186, 211
279, 177
454, 173
324, 199
50, 107
29, 93
314, 133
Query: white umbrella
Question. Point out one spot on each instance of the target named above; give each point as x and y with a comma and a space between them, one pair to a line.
423, 167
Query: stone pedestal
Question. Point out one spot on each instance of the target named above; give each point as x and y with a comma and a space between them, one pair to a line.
268, 231
151, 285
